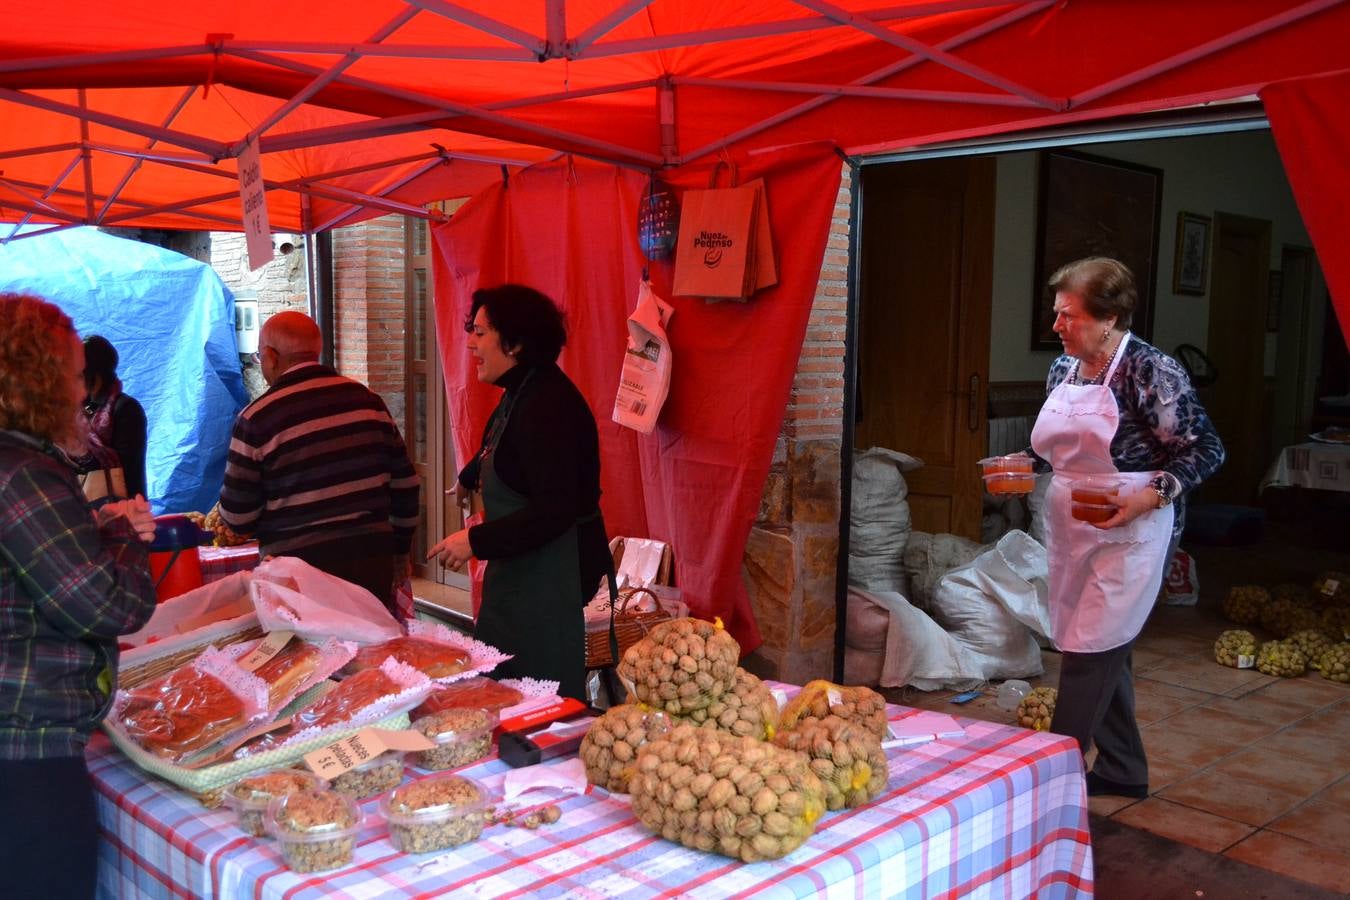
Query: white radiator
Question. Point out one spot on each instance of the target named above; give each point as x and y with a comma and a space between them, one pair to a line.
1009, 434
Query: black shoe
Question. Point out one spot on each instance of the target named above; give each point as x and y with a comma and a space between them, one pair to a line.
1098, 786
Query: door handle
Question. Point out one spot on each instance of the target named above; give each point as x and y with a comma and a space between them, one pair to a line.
973, 404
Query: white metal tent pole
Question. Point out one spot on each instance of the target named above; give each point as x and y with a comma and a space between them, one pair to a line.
621, 14
860, 90
396, 51
135, 204
324, 78
1208, 48
468, 17
86, 159
411, 176
135, 164
214, 149
801, 109
933, 54
339, 134
52, 189
37, 151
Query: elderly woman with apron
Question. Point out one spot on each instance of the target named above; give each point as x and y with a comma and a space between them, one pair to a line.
538, 468
1115, 406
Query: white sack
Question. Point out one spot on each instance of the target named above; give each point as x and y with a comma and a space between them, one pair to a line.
918, 651
292, 595
928, 557
972, 603
879, 522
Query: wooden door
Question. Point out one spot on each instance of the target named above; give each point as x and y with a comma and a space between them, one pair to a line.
923, 366
1238, 303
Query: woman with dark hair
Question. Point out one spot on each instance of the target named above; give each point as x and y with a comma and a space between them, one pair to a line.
1116, 406
538, 468
71, 582
116, 420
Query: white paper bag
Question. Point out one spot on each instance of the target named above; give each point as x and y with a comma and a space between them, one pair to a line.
292, 595
645, 380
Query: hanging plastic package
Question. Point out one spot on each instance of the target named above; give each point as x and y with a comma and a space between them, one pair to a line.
645, 379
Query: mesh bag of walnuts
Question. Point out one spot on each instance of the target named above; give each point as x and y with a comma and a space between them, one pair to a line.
748, 709
1037, 708
1296, 594
1310, 642
737, 796
681, 665
846, 757
1236, 648
1243, 604
822, 698
1334, 662
1336, 623
1282, 616
1281, 658
610, 748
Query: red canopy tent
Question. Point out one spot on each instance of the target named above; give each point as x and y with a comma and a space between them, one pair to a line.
134, 113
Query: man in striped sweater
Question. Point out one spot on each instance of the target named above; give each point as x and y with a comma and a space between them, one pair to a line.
317, 468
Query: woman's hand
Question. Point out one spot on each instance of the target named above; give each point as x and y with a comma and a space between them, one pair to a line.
136, 511
454, 551
1131, 507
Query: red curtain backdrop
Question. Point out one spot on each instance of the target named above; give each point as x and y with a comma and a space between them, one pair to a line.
1312, 132
569, 228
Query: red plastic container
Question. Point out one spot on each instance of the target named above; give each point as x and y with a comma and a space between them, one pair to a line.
175, 566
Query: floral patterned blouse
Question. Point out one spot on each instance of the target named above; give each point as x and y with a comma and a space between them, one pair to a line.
1162, 426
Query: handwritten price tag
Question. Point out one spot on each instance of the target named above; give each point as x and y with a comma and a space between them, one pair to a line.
368, 743
272, 644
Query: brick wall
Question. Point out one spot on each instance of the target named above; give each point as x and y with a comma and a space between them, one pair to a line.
792, 554
369, 260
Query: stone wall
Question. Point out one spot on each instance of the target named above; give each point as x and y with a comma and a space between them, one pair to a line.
792, 553
279, 286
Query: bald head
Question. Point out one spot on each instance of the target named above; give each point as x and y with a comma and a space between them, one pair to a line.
287, 339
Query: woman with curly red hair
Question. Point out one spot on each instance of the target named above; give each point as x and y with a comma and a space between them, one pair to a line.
71, 582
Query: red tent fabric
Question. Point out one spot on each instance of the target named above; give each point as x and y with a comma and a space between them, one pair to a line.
1308, 118
696, 481
134, 112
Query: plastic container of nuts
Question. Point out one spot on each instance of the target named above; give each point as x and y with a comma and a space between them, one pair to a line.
249, 797
316, 829
374, 776
461, 735
434, 813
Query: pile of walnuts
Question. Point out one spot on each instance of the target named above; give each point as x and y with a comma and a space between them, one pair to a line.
819, 699
1236, 648
1244, 603
737, 796
747, 710
1037, 708
610, 748
846, 757
681, 666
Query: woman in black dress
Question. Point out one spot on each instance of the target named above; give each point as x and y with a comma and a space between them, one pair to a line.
538, 468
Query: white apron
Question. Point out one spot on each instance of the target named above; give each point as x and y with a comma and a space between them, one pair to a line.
1103, 582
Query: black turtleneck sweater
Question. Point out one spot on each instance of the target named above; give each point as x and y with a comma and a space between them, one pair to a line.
550, 454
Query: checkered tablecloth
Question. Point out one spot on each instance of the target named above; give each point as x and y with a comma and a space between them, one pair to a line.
1000, 812
221, 562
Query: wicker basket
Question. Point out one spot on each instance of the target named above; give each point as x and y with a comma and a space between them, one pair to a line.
629, 627
144, 665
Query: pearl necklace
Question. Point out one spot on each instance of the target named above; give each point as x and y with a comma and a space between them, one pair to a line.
1100, 377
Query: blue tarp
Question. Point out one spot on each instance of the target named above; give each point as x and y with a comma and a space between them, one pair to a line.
171, 319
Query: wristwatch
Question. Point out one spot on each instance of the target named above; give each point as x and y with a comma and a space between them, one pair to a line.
1161, 485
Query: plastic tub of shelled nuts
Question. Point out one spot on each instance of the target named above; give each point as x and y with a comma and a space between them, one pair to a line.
374, 776
316, 829
1010, 475
434, 813
249, 797
462, 736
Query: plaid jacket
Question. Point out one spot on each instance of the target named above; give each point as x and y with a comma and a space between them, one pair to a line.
67, 590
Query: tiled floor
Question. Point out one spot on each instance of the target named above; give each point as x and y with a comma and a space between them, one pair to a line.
1240, 763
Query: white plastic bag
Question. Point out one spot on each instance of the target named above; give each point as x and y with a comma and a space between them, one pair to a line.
216, 601
974, 602
292, 595
645, 379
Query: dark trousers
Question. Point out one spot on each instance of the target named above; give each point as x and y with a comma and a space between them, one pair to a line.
1096, 707
48, 829
367, 561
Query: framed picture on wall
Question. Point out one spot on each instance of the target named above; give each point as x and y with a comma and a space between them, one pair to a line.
1190, 266
1093, 206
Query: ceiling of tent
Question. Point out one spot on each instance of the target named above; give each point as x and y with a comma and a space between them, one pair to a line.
133, 113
